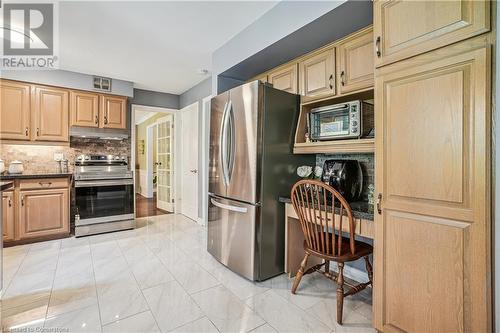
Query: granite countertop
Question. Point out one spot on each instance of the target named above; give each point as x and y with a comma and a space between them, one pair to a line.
5, 185
360, 209
37, 175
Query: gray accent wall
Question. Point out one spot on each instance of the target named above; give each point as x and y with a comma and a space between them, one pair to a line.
154, 98
68, 79
277, 23
196, 93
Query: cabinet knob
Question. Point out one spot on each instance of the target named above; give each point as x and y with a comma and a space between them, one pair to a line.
330, 79
96, 119
342, 77
37, 132
22, 200
379, 203
10, 202
377, 47
26, 131
105, 119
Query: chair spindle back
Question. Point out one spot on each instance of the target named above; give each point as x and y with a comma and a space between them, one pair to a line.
315, 203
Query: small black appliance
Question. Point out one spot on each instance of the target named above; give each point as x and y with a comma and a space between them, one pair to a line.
345, 176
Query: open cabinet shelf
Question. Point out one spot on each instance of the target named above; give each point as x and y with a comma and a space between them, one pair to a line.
363, 145
334, 147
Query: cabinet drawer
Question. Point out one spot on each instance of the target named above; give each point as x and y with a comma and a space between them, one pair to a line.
44, 183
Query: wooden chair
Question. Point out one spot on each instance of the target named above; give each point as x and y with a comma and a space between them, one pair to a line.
322, 211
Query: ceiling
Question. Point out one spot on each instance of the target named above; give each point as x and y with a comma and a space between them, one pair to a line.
159, 46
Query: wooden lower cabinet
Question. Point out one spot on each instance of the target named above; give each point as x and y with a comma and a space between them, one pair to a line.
433, 234
8, 216
43, 212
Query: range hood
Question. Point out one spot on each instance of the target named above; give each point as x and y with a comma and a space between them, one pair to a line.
99, 133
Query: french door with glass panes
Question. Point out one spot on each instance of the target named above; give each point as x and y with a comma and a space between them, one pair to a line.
165, 166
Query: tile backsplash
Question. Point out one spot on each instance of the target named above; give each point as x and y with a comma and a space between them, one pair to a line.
367, 165
40, 158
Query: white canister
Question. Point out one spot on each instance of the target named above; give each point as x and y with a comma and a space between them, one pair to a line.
2, 166
16, 167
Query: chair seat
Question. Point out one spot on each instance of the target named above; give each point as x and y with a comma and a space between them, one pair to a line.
362, 250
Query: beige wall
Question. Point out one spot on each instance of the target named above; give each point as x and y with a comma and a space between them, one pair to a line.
141, 134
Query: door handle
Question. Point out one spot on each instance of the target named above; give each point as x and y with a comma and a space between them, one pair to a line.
38, 131
22, 200
379, 199
377, 47
105, 119
10, 203
96, 119
193, 171
342, 76
26, 131
45, 183
229, 207
330, 80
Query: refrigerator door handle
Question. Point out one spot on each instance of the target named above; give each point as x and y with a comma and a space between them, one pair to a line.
223, 146
229, 207
232, 141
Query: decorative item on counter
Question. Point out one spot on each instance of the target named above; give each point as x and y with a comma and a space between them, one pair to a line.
63, 166
307, 172
371, 194
306, 136
2, 166
16, 167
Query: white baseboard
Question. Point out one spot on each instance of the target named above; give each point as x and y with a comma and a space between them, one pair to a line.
351, 273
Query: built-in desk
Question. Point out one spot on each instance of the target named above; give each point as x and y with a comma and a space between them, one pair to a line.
294, 238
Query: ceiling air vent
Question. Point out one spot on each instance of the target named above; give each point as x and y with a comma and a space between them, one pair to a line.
102, 83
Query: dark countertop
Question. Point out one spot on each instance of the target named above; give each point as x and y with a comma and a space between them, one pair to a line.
40, 175
360, 209
5, 185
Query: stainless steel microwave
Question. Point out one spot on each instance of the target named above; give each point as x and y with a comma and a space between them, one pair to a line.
338, 121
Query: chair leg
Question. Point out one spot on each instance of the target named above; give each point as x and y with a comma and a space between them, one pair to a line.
300, 273
340, 292
327, 266
369, 269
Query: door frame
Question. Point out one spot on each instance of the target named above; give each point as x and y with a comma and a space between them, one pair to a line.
133, 138
204, 163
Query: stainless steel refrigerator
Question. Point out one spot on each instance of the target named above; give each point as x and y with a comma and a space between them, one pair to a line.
252, 130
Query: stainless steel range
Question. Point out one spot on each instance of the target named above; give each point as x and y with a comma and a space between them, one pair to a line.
104, 194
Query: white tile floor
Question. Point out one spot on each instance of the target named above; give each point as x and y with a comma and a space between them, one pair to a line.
159, 278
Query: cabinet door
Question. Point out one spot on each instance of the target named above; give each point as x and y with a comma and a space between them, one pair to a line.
406, 28
355, 59
113, 112
284, 78
15, 110
51, 113
317, 74
43, 213
84, 109
8, 215
433, 251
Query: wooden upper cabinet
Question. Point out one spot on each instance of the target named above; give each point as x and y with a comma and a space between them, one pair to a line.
84, 109
50, 113
8, 215
355, 62
15, 110
284, 78
433, 253
406, 28
317, 74
43, 212
113, 112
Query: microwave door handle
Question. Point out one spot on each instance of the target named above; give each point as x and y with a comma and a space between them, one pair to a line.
229, 207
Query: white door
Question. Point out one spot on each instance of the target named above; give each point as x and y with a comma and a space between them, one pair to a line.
189, 161
165, 166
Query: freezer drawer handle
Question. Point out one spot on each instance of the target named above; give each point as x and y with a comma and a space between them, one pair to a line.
229, 207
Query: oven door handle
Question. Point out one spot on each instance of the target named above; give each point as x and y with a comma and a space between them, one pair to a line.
111, 182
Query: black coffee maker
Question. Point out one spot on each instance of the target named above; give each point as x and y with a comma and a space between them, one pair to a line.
345, 176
